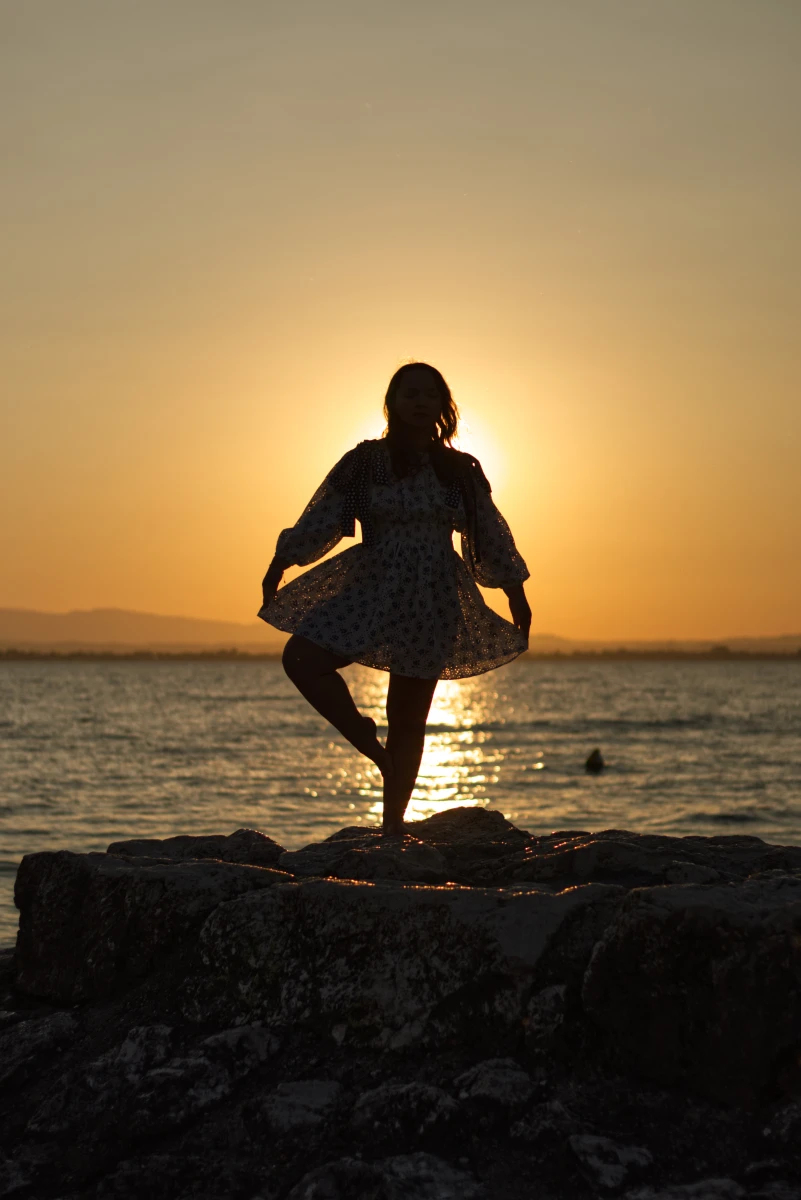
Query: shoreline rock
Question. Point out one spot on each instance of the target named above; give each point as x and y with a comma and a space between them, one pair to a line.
468, 1010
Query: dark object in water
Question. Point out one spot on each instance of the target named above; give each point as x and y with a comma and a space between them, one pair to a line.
595, 762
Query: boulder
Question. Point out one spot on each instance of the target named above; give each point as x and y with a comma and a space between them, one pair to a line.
642, 860
90, 924
700, 985
386, 964
359, 853
244, 846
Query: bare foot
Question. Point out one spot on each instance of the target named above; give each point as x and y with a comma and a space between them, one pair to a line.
375, 751
393, 828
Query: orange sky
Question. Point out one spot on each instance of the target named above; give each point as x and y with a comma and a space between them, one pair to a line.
225, 225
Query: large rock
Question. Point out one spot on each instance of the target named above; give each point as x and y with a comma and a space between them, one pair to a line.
244, 846
91, 924
642, 860
386, 963
702, 985
358, 853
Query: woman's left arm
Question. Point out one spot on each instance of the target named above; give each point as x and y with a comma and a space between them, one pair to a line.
491, 555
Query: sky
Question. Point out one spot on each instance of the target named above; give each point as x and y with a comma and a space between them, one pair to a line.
224, 225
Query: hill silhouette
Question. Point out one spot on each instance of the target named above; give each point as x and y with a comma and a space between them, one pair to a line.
118, 630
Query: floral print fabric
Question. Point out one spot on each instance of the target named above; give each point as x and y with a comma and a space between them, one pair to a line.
404, 602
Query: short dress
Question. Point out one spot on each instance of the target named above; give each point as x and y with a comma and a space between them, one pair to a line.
402, 600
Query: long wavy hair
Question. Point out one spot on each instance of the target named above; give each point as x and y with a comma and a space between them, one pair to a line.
447, 422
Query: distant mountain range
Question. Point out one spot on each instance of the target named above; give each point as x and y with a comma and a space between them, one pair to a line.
118, 630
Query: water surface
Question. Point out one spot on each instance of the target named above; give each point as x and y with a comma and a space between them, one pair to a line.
93, 752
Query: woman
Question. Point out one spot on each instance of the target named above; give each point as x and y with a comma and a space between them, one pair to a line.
403, 600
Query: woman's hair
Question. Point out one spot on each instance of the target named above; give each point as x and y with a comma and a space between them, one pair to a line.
448, 419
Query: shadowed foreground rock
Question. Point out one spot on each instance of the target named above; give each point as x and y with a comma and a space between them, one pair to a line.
467, 1011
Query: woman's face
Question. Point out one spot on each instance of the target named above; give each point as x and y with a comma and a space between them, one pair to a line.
417, 400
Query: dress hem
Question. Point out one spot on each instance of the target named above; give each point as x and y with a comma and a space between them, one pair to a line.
364, 659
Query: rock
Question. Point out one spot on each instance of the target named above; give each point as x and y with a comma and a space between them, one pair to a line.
140, 1088
704, 1189
641, 860
404, 1115
365, 854
476, 843
777, 1189
698, 985
385, 964
605, 1164
405, 1177
24, 1044
245, 846
500, 1081
90, 924
298, 1105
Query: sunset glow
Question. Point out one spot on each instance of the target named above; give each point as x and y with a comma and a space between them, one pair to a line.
225, 226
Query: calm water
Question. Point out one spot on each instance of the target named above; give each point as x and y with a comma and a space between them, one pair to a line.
92, 752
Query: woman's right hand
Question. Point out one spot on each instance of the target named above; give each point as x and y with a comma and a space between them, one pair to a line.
269, 585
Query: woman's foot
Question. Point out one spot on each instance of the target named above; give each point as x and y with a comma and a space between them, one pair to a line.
374, 750
393, 828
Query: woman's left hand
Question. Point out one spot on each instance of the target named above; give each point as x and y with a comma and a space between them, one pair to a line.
519, 608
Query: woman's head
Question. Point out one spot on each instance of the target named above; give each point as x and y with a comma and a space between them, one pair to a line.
418, 397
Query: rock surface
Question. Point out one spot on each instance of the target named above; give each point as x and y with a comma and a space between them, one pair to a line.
465, 1011
93, 923
244, 846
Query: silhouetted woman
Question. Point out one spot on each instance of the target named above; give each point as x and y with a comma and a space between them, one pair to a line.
403, 600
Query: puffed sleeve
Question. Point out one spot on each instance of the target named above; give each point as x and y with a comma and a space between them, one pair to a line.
488, 548
325, 520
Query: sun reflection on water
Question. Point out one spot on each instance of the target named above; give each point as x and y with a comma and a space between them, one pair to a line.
459, 760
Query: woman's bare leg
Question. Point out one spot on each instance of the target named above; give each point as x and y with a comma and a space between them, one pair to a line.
313, 671
408, 702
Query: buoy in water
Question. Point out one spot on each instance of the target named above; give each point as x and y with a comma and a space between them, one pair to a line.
595, 762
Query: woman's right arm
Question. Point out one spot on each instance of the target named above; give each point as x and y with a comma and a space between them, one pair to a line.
321, 525
275, 573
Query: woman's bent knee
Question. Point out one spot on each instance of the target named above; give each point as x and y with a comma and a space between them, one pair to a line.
302, 660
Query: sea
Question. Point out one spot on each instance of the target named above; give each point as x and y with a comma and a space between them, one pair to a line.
95, 751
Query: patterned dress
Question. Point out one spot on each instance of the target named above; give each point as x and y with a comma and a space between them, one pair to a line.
403, 600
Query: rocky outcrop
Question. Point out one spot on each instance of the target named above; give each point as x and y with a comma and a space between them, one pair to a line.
386, 964
701, 985
466, 1011
91, 924
244, 846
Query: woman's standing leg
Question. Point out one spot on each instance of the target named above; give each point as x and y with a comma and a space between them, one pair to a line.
313, 671
408, 702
